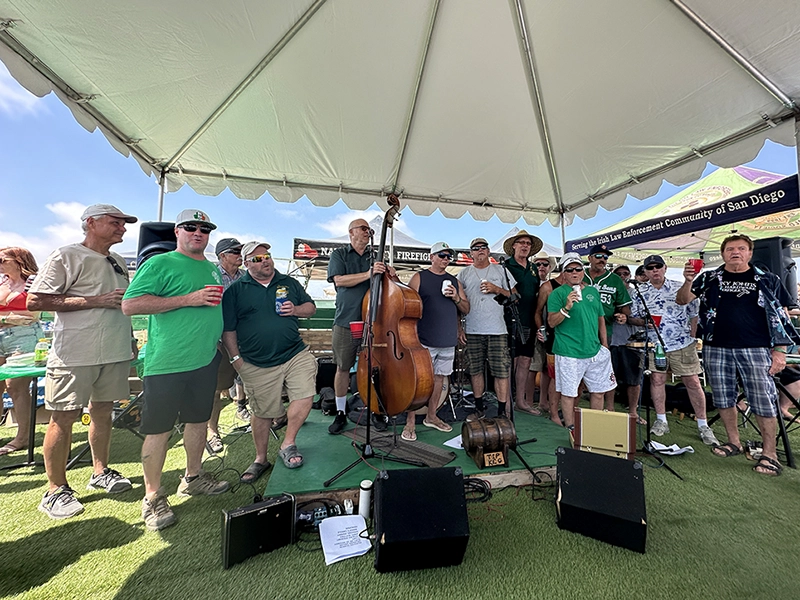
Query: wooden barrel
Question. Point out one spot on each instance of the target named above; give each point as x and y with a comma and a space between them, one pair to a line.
490, 435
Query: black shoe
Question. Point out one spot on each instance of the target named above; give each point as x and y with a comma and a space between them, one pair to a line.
379, 422
279, 423
339, 422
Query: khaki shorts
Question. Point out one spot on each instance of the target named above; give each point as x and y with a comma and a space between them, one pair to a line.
682, 362
344, 348
539, 360
226, 374
72, 388
265, 385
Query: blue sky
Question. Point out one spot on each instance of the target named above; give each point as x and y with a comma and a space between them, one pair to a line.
52, 169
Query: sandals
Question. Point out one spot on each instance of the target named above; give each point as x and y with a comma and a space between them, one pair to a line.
9, 448
727, 450
770, 467
530, 410
287, 454
440, 425
408, 435
254, 471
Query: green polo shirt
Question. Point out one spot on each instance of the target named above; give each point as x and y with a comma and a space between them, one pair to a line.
613, 294
527, 287
576, 337
265, 338
346, 261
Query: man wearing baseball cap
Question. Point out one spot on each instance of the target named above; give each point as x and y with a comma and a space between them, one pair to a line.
677, 328
89, 362
228, 251
581, 344
181, 291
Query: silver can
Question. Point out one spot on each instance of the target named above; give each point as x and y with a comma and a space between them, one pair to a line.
543, 331
577, 289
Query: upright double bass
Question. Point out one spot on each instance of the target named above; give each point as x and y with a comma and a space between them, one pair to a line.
393, 361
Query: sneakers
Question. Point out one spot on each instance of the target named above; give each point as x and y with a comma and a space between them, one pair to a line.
659, 428
475, 415
243, 414
156, 512
215, 444
61, 504
203, 483
109, 480
380, 422
708, 437
339, 422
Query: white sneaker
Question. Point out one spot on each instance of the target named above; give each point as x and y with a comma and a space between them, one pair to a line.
659, 428
109, 480
708, 437
61, 504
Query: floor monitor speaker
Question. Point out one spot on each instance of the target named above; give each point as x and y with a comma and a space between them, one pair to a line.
155, 237
420, 519
601, 497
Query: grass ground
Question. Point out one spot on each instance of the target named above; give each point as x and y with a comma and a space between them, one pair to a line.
723, 532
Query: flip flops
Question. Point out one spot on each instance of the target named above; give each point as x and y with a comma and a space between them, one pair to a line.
287, 454
531, 410
408, 435
254, 471
440, 425
770, 466
9, 448
727, 450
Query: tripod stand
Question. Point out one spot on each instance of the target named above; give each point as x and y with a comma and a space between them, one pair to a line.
647, 445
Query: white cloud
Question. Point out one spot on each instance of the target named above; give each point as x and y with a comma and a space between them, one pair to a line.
14, 99
288, 213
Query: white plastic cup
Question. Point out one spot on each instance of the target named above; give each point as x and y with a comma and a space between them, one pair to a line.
577, 289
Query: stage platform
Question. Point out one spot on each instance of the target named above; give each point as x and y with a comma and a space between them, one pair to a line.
325, 455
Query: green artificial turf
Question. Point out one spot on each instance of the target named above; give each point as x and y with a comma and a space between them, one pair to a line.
723, 532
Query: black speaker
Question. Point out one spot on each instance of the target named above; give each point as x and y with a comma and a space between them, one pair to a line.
326, 372
601, 497
155, 237
776, 255
420, 519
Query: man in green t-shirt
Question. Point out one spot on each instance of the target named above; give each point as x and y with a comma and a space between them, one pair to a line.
262, 338
581, 343
181, 291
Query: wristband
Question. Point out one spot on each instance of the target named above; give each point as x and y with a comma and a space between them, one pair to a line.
565, 313
235, 358
782, 350
458, 299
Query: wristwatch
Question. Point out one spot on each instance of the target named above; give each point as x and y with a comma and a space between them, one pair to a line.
235, 358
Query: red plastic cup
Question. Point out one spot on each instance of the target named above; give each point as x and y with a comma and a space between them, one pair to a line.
697, 264
357, 329
221, 289
656, 320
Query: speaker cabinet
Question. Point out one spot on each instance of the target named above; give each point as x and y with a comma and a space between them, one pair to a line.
326, 373
420, 519
602, 498
155, 237
776, 255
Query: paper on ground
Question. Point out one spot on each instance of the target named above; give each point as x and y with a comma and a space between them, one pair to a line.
672, 450
342, 537
455, 443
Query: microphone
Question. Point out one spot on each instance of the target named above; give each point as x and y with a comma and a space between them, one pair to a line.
635, 282
503, 260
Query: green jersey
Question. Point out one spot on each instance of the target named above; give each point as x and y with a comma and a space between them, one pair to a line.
613, 295
577, 336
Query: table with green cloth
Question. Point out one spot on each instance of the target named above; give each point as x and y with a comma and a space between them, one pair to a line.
9, 372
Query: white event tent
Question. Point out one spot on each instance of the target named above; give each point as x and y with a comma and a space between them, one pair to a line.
537, 109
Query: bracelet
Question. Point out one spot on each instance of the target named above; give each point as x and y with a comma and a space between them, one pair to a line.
565, 313
782, 350
235, 358
458, 299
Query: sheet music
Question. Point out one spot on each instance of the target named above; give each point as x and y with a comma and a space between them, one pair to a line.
343, 537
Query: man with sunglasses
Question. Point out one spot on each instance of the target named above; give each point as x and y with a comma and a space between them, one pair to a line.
677, 327
613, 292
486, 334
262, 337
89, 362
181, 291
576, 314
519, 248
229, 255
443, 298
349, 271
546, 364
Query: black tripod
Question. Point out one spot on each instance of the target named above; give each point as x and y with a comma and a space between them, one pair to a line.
366, 449
647, 445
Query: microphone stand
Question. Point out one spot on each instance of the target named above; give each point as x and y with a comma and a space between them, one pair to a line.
647, 445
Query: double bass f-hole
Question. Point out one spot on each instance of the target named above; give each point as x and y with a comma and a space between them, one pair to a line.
391, 336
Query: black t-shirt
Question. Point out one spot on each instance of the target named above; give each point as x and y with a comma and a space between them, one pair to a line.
741, 322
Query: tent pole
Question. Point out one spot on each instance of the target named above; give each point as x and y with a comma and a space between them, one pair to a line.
162, 188
563, 231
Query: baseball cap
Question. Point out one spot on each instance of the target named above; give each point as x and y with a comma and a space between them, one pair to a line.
598, 248
478, 241
226, 244
250, 246
100, 210
653, 258
440, 246
568, 258
192, 215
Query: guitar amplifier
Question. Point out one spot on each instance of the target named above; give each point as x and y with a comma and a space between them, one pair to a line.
603, 432
261, 527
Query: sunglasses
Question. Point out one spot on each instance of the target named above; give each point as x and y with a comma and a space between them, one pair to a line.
191, 228
542, 264
234, 252
652, 267
117, 269
363, 228
573, 269
623, 273
445, 256
478, 247
259, 257
601, 256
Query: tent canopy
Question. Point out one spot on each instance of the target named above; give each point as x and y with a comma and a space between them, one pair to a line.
694, 221
525, 108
